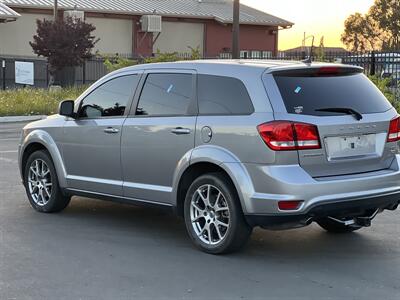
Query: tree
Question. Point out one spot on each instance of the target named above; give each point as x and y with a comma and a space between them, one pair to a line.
379, 29
362, 33
63, 42
387, 15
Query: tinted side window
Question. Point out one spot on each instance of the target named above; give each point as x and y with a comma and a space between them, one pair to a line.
165, 95
220, 95
109, 99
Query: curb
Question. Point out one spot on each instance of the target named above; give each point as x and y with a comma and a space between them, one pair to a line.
14, 119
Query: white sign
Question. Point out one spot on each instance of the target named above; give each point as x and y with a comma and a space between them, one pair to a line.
24, 72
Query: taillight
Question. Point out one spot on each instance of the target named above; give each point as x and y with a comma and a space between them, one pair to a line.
286, 135
328, 71
394, 130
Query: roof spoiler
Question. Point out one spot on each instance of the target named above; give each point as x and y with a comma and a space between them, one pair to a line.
318, 71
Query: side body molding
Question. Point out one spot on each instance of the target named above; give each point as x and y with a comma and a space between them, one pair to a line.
42, 137
225, 160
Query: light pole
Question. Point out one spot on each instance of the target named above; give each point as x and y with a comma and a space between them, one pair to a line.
55, 10
235, 31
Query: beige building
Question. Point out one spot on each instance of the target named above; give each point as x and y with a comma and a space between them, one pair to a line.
185, 24
7, 14
15, 36
116, 35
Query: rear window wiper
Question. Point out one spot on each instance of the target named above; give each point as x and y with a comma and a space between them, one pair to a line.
344, 110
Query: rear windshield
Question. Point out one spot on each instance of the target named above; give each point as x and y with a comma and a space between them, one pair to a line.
305, 95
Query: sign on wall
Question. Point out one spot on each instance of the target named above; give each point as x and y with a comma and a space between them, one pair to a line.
24, 72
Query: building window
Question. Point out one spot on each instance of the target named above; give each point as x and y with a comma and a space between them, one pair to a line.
256, 54
266, 54
225, 55
245, 54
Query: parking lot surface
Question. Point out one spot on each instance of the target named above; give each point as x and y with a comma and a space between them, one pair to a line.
101, 250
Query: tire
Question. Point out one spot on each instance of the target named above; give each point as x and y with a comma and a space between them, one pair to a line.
224, 208
41, 184
336, 227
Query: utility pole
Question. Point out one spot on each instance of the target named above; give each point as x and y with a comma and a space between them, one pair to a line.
235, 31
55, 10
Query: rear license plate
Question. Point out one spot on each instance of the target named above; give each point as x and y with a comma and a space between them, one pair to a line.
350, 146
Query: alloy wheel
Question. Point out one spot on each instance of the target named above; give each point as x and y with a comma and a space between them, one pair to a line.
209, 214
40, 182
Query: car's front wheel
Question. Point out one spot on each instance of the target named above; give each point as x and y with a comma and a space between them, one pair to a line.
213, 215
41, 184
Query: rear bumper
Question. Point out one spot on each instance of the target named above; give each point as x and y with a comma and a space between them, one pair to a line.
271, 184
349, 208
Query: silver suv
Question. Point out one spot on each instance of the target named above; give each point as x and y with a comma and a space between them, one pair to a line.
228, 145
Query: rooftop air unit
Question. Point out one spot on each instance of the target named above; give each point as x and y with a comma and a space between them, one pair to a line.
151, 23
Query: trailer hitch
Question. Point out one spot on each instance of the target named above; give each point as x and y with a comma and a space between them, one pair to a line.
364, 221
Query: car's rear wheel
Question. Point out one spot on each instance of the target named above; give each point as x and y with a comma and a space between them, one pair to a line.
41, 184
213, 215
333, 226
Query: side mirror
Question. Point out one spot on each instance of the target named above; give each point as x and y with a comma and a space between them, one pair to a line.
66, 108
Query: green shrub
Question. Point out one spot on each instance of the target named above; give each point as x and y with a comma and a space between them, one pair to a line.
195, 53
117, 62
162, 57
28, 101
383, 85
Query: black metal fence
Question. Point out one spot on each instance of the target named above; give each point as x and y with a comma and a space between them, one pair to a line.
7, 73
384, 65
380, 64
90, 72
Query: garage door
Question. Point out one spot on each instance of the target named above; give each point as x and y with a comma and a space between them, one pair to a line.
178, 36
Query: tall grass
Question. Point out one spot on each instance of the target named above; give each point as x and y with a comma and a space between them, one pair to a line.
28, 101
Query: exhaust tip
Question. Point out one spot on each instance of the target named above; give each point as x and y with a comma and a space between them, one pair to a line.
308, 221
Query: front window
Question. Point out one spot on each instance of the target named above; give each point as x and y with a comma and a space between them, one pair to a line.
110, 99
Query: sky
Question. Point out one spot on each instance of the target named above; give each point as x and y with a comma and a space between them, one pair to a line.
315, 17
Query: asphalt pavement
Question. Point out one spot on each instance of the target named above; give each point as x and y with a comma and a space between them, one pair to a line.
102, 250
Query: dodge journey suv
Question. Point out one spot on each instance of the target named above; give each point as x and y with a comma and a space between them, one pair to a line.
227, 145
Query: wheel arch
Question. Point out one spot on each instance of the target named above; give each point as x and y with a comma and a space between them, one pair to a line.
218, 160
41, 140
31, 148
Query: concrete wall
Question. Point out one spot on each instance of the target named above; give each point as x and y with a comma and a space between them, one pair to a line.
115, 34
177, 36
15, 36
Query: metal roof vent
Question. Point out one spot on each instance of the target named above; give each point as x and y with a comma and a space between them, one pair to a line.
151, 23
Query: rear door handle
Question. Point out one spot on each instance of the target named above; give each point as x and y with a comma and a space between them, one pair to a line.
111, 130
180, 131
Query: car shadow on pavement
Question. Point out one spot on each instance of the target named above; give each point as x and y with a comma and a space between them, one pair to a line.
131, 222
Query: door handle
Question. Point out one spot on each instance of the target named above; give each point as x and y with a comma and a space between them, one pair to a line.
111, 130
180, 131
